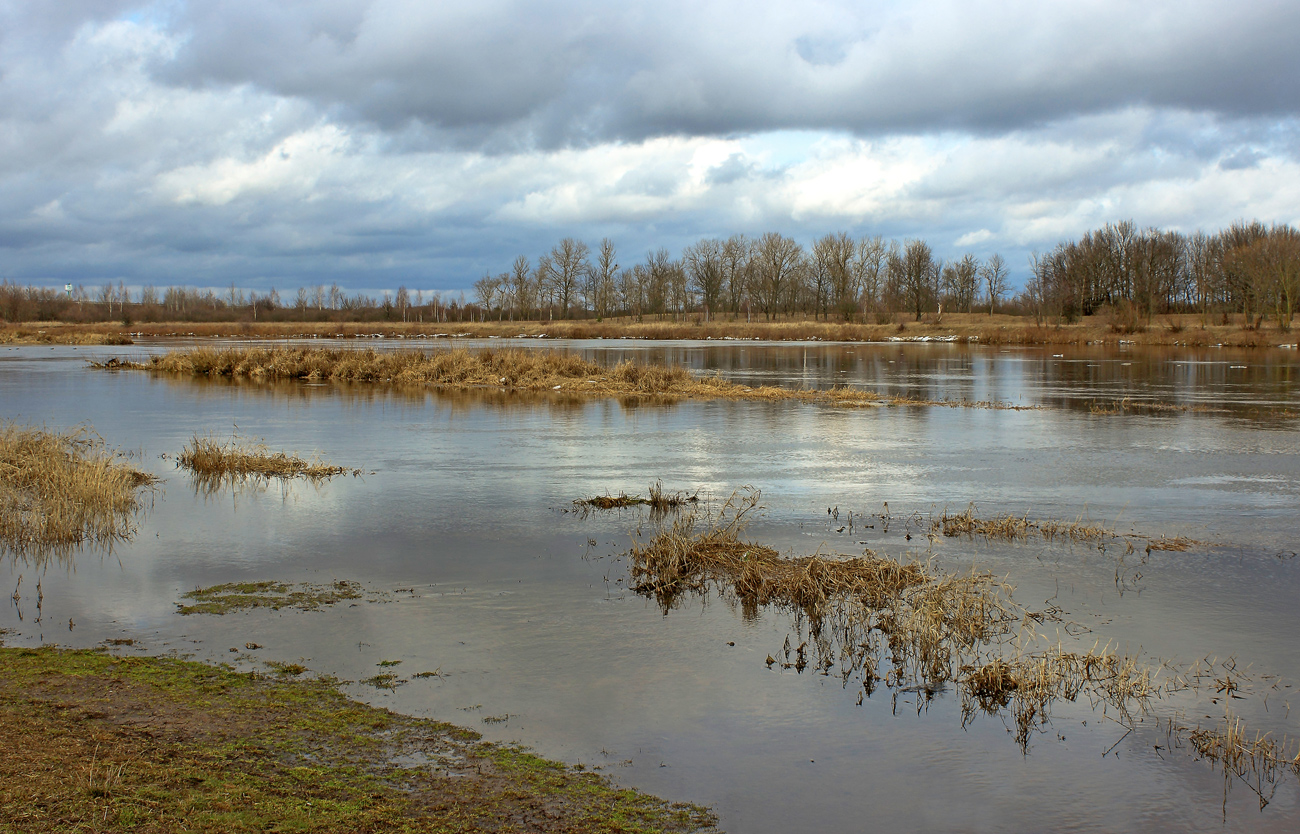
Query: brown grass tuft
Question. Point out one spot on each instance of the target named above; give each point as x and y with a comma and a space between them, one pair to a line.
1016, 528
216, 464
659, 502
1228, 746
61, 490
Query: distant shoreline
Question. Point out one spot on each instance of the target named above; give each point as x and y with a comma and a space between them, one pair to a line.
1167, 330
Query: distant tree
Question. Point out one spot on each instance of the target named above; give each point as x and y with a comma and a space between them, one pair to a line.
778, 260
706, 269
994, 276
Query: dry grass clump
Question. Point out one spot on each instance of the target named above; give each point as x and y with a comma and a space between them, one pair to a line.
508, 369
1011, 527
1017, 528
1028, 683
862, 612
680, 559
61, 490
657, 500
1263, 756
216, 463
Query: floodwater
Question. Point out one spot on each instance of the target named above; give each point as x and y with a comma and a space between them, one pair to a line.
459, 530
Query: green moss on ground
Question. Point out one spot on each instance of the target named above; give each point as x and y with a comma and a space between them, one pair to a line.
93, 741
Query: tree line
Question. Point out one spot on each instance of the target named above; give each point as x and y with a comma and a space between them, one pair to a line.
1249, 269
854, 279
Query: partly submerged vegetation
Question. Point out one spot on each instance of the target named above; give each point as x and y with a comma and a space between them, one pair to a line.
656, 499
509, 369
1012, 528
241, 596
903, 625
60, 490
215, 463
90, 741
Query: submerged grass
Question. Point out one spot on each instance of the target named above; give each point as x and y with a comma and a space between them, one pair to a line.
510, 369
656, 499
60, 490
94, 742
1014, 528
919, 631
217, 463
242, 596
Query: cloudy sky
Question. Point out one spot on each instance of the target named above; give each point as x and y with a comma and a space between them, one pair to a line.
377, 143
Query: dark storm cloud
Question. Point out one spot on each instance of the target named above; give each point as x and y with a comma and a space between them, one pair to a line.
580, 72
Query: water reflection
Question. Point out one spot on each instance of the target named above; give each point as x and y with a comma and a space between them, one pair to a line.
523, 615
1258, 385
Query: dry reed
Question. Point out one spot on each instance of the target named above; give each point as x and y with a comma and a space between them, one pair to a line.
1018, 528
1229, 746
508, 369
215, 464
59, 491
1028, 683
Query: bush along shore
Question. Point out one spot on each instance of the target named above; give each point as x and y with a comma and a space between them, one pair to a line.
95, 742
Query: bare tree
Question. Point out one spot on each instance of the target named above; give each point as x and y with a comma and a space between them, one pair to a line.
994, 276
918, 275
603, 275
869, 267
705, 264
568, 263
778, 260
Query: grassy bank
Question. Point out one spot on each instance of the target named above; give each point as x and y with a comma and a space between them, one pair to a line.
509, 369
94, 742
59, 490
963, 327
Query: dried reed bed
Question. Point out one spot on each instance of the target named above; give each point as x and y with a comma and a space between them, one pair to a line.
63, 336
1027, 684
59, 491
861, 611
506, 369
219, 463
681, 559
1230, 746
1018, 528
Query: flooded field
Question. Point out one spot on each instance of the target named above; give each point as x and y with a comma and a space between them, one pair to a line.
468, 587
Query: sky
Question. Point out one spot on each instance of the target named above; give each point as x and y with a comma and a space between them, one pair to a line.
386, 143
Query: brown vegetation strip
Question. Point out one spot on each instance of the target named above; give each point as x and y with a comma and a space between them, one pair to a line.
60, 490
1010, 528
217, 463
658, 501
512, 369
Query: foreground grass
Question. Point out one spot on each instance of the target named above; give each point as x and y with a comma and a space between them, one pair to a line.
512, 369
59, 490
94, 742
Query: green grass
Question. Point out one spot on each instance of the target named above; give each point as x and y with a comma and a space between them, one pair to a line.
241, 596
91, 741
